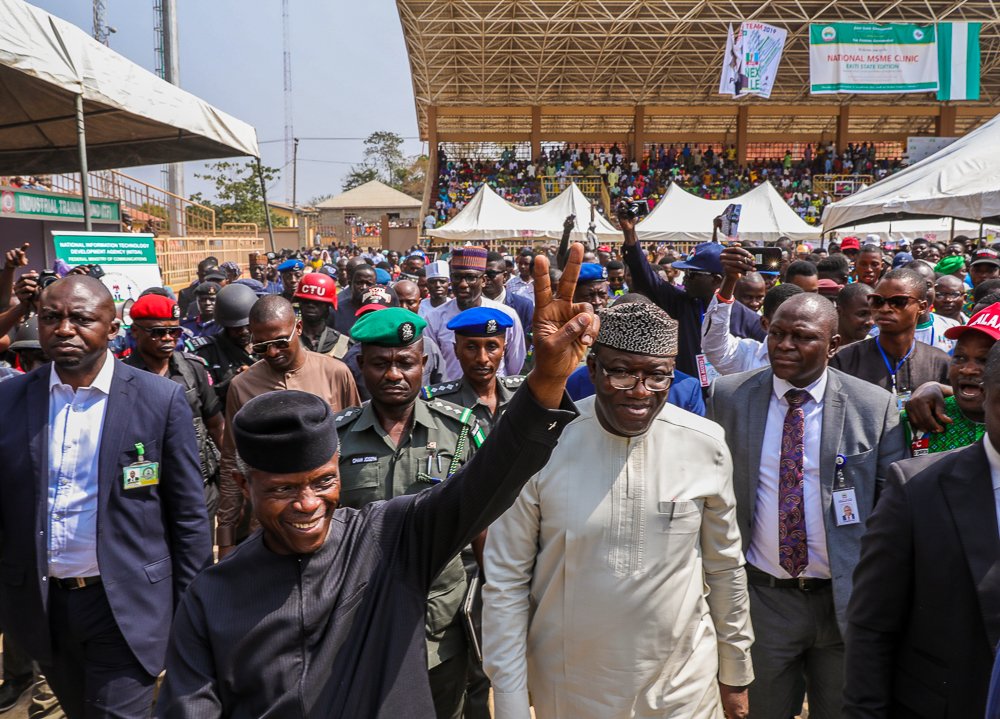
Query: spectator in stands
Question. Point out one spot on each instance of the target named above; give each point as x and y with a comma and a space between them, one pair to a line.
854, 315
868, 266
804, 274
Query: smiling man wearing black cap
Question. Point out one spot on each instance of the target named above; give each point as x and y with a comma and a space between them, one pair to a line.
321, 614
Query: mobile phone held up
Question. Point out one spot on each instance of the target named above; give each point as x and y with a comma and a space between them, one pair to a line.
638, 209
731, 221
766, 259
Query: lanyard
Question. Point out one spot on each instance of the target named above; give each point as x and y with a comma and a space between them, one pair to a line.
888, 365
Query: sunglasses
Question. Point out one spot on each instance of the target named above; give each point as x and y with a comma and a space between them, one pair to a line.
260, 348
493, 274
896, 302
158, 333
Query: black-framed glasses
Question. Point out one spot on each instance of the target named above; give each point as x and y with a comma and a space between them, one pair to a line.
260, 348
896, 302
620, 379
950, 295
158, 333
469, 277
493, 274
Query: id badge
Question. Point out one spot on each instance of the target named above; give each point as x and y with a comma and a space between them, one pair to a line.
901, 399
706, 372
920, 445
141, 474
845, 506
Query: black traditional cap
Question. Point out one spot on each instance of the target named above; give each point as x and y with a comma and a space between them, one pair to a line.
285, 432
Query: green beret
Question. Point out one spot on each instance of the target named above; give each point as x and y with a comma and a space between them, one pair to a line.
949, 265
391, 327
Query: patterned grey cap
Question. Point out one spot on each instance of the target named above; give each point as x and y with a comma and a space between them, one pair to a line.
638, 328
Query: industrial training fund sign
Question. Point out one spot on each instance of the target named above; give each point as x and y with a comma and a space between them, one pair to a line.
872, 58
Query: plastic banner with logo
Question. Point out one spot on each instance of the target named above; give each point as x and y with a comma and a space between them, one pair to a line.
128, 260
752, 57
872, 59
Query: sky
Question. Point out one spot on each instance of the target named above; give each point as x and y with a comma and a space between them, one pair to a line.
350, 76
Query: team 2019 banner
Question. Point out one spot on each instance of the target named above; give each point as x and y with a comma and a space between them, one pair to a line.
872, 59
753, 54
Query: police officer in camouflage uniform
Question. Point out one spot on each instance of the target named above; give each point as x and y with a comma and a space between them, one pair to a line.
228, 352
400, 444
156, 329
480, 339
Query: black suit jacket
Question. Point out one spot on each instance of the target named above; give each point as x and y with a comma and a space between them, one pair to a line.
925, 613
151, 541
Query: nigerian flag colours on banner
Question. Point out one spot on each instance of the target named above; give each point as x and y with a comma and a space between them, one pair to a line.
958, 60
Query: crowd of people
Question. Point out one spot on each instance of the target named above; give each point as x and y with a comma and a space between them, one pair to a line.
611, 482
708, 171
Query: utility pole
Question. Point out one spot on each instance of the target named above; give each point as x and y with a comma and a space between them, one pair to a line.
286, 32
295, 177
168, 66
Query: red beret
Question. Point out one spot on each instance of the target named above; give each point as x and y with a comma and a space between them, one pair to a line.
155, 307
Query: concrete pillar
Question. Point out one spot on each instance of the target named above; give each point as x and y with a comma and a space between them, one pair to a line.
843, 128
946, 121
432, 161
742, 123
536, 132
639, 134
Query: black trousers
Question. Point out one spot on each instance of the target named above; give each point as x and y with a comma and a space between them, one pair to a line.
93, 673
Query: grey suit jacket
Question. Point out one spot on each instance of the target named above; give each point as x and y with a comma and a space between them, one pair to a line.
860, 422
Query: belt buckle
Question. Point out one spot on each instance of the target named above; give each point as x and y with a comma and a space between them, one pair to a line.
803, 586
80, 582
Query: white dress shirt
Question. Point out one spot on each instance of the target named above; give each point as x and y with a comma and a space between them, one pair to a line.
437, 328
763, 550
76, 422
727, 353
993, 457
933, 334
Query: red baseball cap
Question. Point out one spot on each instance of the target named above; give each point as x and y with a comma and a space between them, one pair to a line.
850, 243
987, 321
375, 298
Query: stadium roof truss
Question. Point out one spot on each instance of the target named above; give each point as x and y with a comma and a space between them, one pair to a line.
590, 70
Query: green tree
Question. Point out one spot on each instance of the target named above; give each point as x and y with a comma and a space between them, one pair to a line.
359, 175
237, 193
384, 153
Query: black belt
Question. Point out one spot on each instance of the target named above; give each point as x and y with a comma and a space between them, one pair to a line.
72, 583
803, 584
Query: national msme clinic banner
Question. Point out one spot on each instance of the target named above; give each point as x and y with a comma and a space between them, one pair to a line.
872, 59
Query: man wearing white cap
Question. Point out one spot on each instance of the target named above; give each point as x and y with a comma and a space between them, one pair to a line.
438, 279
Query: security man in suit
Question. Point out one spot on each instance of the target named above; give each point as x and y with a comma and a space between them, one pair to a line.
156, 328
400, 444
102, 509
480, 338
924, 619
807, 441
228, 353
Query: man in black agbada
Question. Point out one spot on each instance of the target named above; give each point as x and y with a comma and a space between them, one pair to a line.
321, 613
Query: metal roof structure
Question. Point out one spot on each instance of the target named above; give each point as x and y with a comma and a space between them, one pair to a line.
581, 67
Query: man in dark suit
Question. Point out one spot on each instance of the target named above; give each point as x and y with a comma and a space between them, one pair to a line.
924, 619
808, 442
92, 564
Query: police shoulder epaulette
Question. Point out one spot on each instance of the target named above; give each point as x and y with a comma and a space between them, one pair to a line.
463, 415
513, 382
346, 416
193, 343
433, 390
197, 359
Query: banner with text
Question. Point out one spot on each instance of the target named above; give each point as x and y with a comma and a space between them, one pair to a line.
128, 260
872, 59
752, 57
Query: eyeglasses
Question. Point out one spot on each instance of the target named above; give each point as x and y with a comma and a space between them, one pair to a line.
158, 333
468, 277
950, 295
620, 379
896, 302
493, 274
260, 348
691, 274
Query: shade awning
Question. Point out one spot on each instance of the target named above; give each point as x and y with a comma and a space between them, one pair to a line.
132, 116
961, 180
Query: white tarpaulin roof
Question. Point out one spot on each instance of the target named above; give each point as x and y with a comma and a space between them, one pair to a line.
935, 229
490, 217
132, 116
962, 180
764, 217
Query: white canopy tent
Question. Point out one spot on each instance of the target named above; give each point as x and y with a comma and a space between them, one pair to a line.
489, 217
70, 104
935, 229
961, 181
764, 217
